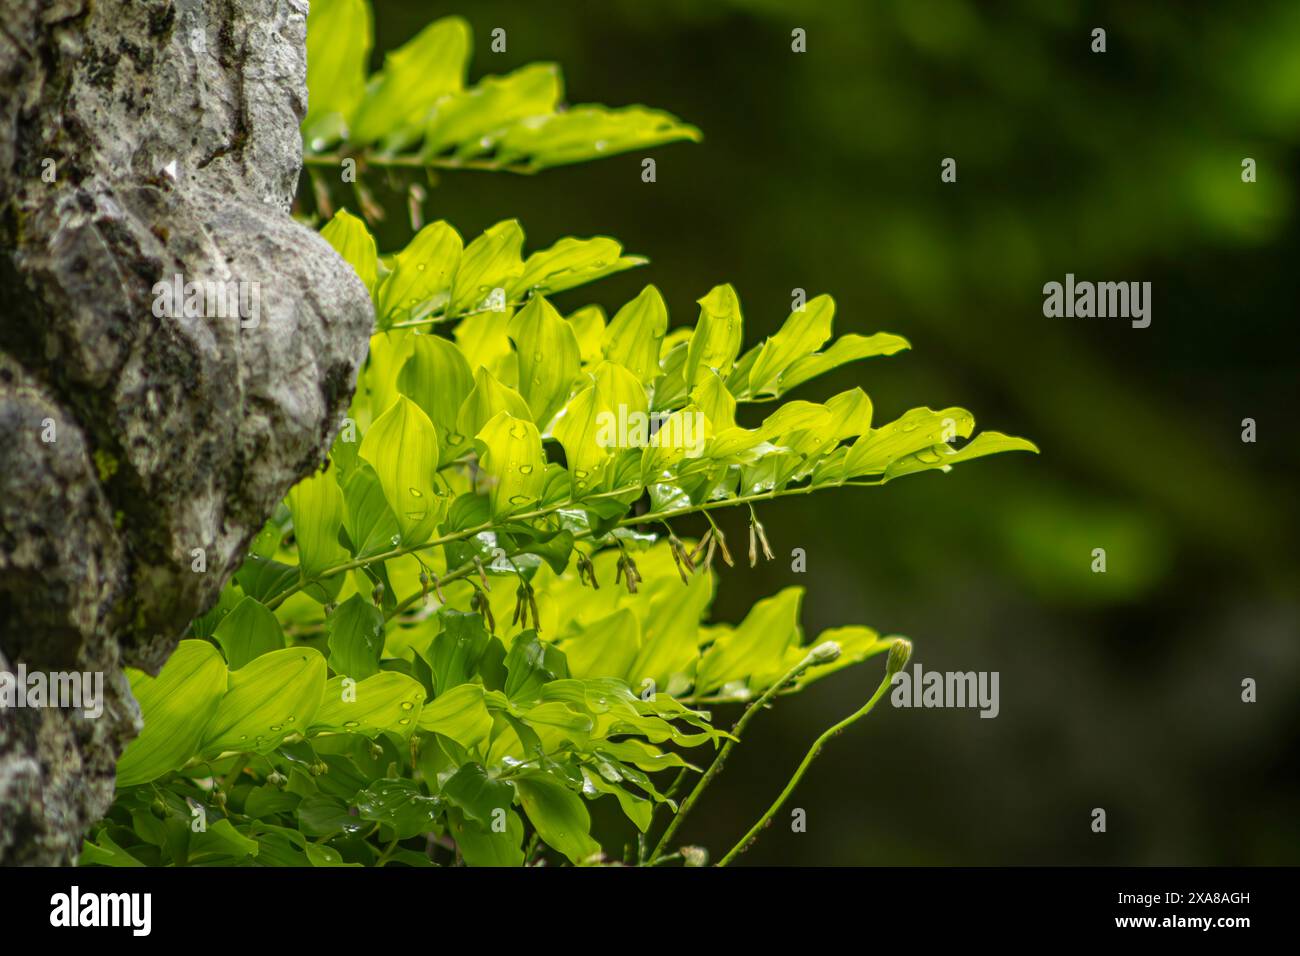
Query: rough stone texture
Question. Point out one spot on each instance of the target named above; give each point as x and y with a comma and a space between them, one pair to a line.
172, 127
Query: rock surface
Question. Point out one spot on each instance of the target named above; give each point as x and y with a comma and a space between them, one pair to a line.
141, 140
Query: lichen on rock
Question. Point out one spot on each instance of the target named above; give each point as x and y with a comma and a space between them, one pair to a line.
140, 141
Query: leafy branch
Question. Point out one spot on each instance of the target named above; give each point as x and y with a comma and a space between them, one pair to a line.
360, 732
418, 112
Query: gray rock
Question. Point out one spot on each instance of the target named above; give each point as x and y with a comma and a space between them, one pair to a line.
142, 140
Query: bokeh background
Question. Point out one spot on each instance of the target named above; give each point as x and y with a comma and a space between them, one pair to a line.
821, 171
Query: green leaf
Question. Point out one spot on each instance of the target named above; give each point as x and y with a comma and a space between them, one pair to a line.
554, 548
438, 379
421, 276
321, 855
454, 654
414, 77
275, 695
717, 336
637, 809
385, 702
671, 635
206, 625
400, 804
338, 47
548, 357
943, 456
530, 664
481, 797
264, 580
485, 400
247, 632
370, 523
511, 463
317, 506
585, 428
402, 447
643, 755
755, 652
559, 816
845, 349
588, 325
356, 638
571, 262
470, 121
104, 852
585, 132
352, 240
221, 841
267, 801
176, 707
605, 647
490, 263
322, 815
635, 335
460, 714
482, 846
803, 333
918, 429
710, 396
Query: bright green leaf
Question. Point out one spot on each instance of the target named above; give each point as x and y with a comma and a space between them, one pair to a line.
176, 707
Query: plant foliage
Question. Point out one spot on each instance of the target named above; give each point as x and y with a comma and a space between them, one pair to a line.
478, 620
419, 111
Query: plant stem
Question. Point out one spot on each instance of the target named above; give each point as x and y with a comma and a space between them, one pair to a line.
716, 767
388, 851
415, 162
675, 788
648, 518
813, 751
228, 781
531, 848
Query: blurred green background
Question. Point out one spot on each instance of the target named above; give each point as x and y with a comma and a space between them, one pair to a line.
821, 171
